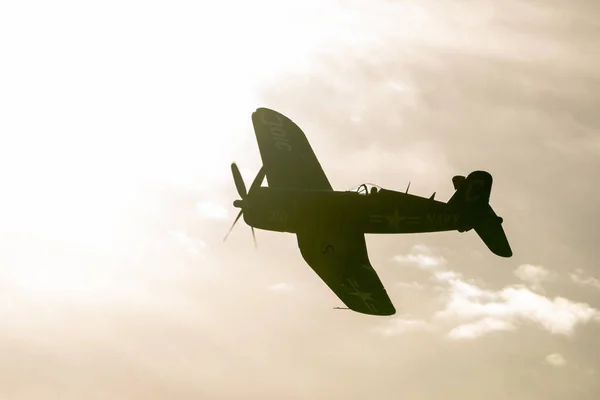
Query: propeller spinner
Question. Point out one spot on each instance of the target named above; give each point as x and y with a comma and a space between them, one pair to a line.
241, 189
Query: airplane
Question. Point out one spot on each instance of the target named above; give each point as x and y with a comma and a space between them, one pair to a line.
330, 225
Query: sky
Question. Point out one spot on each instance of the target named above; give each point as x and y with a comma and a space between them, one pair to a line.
119, 121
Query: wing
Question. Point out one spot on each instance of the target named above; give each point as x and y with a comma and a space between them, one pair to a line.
341, 260
287, 157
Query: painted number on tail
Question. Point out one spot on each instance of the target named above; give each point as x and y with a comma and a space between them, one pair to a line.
469, 196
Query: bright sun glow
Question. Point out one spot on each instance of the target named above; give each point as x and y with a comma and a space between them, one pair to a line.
102, 100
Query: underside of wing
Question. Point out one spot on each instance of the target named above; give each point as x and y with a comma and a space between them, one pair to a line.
287, 156
341, 260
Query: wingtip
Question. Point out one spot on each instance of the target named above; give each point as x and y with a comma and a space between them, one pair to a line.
505, 254
263, 109
387, 312
502, 249
391, 312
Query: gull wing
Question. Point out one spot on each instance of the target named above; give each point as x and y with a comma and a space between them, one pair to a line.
287, 156
341, 260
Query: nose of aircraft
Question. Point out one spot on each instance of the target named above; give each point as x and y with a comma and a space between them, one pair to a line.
238, 203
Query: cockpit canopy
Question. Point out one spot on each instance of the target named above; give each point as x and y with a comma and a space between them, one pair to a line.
367, 189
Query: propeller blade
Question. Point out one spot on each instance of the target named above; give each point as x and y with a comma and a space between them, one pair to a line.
239, 181
241, 189
232, 225
260, 177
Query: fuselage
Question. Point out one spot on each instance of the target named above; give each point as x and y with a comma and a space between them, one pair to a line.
387, 211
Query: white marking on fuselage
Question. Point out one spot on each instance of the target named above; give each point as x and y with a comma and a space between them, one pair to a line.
442, 219
394, 219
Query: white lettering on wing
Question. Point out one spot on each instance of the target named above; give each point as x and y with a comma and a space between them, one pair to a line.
265, 121
278, 134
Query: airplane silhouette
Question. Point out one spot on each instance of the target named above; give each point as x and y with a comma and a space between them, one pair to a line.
330, 226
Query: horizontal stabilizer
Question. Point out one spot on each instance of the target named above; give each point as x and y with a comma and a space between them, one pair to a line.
489, 228
472, 199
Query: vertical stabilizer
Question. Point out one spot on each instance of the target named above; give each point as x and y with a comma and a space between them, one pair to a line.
472, 192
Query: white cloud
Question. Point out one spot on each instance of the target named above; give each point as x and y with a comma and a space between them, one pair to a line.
411, 285
445, 276
281, 287
533, 274
211, 210
425, 159
555, 360
479, 328
402, 325
479, 310
511, 304
192, 246
422, 256
579, 279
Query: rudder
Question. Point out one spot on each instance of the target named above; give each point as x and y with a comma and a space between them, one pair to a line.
472, 192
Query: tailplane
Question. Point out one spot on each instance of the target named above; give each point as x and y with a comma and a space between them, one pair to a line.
472, 198
489, 228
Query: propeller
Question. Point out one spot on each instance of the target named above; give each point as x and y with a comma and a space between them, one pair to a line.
241, 189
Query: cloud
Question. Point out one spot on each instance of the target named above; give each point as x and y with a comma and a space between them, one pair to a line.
422, 256
513, 304
211, 210
479, 328
281, 287
193, 247
533, 274
479, 310
445, 276
411, 285
555, 359
425, 161
403, 325
579, 279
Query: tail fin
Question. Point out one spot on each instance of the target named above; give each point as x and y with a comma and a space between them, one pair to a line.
472, 198
473, 192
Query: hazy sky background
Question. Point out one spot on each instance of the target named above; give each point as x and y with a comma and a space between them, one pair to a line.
118, 122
